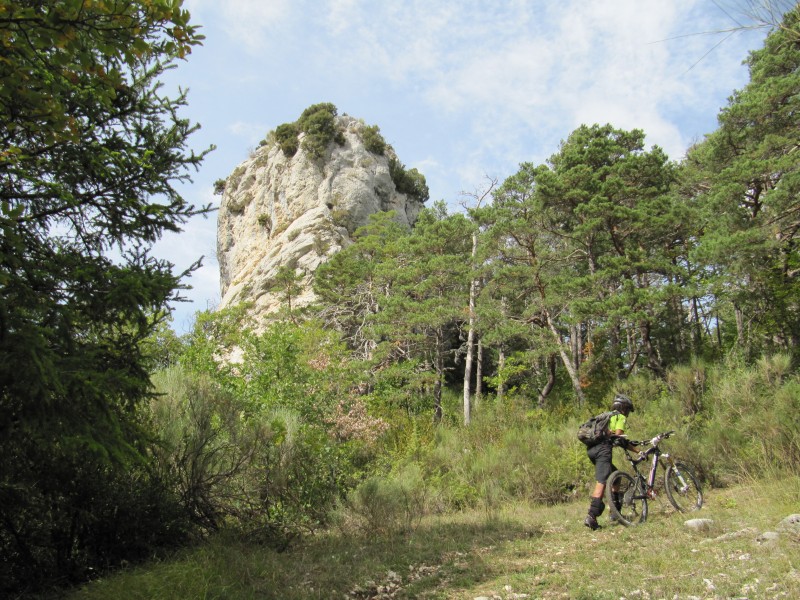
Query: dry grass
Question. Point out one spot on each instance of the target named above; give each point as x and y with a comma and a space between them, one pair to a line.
521, 551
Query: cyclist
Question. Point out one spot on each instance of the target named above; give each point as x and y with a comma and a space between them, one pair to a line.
600, 455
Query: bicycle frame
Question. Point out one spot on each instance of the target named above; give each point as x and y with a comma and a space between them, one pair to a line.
680, 484
657, 456
651, 477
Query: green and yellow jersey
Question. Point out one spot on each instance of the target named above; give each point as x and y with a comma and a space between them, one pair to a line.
617, 422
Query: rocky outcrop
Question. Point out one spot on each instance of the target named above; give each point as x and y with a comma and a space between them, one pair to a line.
297, 211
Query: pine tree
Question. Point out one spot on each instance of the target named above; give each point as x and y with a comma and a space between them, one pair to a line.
91, 153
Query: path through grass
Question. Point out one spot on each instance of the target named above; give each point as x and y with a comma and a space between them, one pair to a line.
519, 552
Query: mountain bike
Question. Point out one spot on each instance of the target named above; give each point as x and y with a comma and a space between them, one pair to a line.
627, 494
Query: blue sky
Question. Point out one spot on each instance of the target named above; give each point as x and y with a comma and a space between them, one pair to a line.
462, 89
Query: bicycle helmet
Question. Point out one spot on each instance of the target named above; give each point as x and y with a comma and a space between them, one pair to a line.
622, 403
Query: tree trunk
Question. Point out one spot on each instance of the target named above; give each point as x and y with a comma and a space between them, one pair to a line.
479, 374
470, 340
653, 360
501, 365
473, 290
437, 386
473, 286
616, 349
633, 351
551, 380
501, 360
697, 332
573, 374
741, 338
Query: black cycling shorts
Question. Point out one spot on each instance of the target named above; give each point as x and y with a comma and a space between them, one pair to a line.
600, 455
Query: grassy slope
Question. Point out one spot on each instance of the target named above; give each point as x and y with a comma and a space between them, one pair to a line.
544, 552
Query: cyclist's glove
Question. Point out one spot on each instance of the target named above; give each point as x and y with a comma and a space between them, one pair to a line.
620, 440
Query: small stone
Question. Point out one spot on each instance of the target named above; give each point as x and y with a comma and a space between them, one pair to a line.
768, 537
790, 524
699, 524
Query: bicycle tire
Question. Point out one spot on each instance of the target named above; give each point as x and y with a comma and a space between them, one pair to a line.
633, 509
682, 489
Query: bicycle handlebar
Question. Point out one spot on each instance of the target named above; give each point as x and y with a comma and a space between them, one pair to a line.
653, 441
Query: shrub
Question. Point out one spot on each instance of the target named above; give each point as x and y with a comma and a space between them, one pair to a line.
387, 505
265, 472
320, 245
219, 187
318, 123
265, 221
206, 447
82, 514
320, 130
286, 136
412, 183
313, 110
373, 140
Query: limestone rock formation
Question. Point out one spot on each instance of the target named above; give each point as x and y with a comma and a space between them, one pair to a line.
297, 211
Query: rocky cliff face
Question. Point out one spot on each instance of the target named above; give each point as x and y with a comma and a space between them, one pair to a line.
297, 211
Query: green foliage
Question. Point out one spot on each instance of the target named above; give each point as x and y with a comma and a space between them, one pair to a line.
290, 388
163, 347
607, 268
532, 549
409, 182
750, 179
318, 123
320, 129
258, 470
286, 134
589, 245
741, 425
69, 513
373, 140
207, 444
751, 424
92, 154
385, 506
265, 221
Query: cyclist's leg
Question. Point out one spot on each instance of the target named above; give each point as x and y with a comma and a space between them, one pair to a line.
600, 456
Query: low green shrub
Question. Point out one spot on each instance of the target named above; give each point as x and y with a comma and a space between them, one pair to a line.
373, 140
286, 135
79, 514
318, 123
732, 423
410, 182
386, 505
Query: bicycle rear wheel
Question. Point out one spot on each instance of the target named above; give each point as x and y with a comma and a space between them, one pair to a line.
632, 497
682, 488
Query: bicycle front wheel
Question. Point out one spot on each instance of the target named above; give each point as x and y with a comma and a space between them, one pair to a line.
626, 499
682, 488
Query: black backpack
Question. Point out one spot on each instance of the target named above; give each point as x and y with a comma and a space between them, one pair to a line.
595, 430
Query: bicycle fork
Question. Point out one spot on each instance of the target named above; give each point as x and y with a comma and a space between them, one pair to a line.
684, 486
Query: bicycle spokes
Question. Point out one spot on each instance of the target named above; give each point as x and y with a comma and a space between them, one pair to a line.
682, 488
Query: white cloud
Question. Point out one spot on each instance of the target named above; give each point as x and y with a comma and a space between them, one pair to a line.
461, 88
249, 22
341, 13
251, 132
